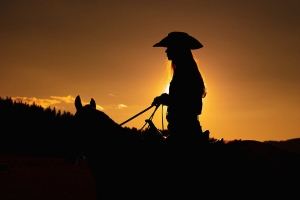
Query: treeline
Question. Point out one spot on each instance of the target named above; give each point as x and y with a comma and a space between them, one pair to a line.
33, 130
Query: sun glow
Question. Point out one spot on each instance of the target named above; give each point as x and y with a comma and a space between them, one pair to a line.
168, 70
167, 89
168, 75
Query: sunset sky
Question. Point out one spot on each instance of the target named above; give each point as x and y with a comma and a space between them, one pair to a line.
52, 51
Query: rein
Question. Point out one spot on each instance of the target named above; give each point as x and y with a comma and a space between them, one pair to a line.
136, 115
150, 118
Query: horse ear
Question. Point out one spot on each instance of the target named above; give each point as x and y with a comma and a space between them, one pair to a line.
78, 103
93, 103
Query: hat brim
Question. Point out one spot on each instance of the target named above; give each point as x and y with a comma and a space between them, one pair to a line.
184, 40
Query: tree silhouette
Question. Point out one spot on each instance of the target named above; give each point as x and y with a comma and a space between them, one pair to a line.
33, 130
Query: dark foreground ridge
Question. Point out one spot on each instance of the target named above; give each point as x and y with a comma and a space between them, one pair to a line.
133, 162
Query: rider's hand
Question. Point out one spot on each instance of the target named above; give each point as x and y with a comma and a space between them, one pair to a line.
156, 101
162, 99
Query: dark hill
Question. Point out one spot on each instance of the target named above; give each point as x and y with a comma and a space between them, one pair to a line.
289, 145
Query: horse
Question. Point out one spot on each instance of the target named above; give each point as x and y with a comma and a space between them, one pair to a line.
117, 156
122, 161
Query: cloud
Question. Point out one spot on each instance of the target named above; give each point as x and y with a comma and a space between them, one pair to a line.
120, 106
42, 102
67, 99
99, 107
112, 95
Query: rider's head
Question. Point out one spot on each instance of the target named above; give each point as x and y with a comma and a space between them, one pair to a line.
179, 45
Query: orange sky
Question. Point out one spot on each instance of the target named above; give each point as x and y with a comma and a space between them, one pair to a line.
51, 51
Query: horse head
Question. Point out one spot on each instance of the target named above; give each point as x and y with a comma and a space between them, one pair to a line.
94, 123
89, 118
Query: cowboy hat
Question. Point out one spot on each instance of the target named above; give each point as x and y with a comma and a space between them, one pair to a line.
179, 39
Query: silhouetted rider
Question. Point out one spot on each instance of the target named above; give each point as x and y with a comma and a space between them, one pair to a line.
186, 88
